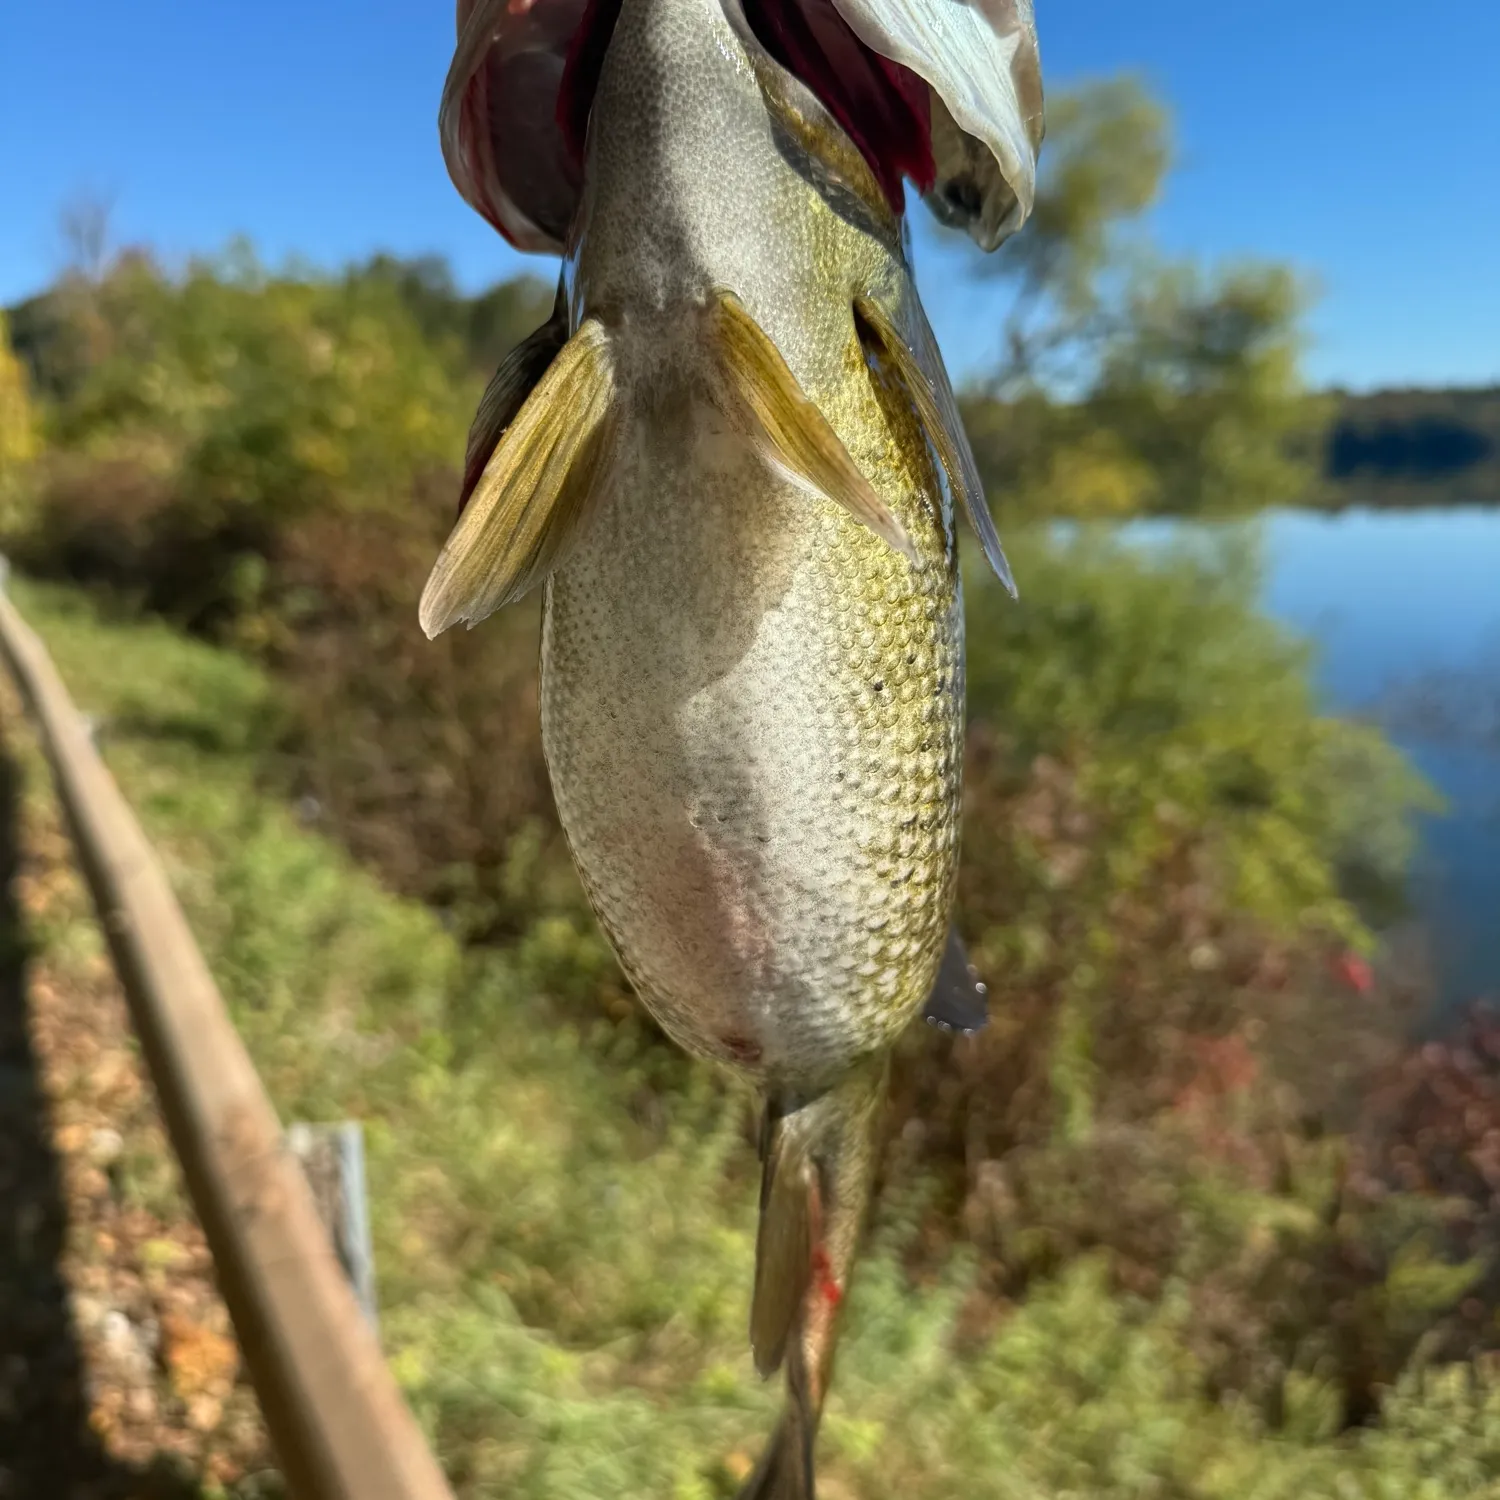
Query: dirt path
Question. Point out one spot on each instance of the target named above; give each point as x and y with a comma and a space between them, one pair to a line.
119, 1375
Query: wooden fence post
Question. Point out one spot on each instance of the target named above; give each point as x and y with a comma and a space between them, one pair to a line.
338, 1422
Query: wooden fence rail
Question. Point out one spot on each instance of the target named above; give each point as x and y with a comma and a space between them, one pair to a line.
339, 1425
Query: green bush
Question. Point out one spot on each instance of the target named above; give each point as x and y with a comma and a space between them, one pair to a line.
564, 1223
218, 410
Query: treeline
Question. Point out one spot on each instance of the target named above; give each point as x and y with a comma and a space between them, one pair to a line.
59, 333
1407, 448
1130, 383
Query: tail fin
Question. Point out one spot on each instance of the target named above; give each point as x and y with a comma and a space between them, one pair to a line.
819, 1162
785, 1470
784, 1241
536, 490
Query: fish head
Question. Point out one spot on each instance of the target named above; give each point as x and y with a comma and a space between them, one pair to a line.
945, 94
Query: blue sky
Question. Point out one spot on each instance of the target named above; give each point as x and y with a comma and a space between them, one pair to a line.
1359, 141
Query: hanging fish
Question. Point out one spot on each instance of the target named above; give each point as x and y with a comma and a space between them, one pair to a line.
732, 458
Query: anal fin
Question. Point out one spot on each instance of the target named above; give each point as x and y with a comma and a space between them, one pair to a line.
960, 1000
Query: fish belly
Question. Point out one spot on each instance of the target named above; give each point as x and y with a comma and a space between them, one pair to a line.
752, 715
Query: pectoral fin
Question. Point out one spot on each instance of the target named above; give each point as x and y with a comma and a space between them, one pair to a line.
504, 396
536, 490
922, 372
959, 1000
762, 399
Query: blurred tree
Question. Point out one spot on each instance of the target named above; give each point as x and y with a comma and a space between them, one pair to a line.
195, 419
1131, 383
487, 326
19, 435
1202, 385
1107, 153
18, 428
85, 226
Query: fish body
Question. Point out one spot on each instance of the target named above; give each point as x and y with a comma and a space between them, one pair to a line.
751, 703
732, 460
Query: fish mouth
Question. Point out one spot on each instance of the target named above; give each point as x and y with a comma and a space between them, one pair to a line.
503, 143
516, 104
520, 89
883, 107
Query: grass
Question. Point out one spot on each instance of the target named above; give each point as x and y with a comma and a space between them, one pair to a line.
564, 1258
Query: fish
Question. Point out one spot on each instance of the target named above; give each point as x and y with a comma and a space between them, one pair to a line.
732, 460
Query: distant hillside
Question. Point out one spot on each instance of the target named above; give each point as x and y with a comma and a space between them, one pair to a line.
1404, 448
1393, 449
57, 333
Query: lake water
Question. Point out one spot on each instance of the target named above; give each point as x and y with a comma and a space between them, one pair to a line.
1404, 608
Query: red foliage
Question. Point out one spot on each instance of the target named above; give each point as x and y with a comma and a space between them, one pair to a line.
1353, 972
